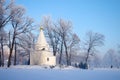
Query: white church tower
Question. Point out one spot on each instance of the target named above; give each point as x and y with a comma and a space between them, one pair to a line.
42, 55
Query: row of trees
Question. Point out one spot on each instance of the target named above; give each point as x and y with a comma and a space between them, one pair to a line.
16, 33
66, 45
111, 59
60, 35
63, 40
17, 26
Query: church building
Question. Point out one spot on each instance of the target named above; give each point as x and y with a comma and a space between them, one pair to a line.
42, 54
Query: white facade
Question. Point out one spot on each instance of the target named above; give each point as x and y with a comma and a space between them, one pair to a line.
42, 55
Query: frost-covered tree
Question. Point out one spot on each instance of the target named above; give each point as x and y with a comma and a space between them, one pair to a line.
51, 30
5, 16
3, 41
92, 41
111, 58
27, 42
73, 45
61, 37
20, 25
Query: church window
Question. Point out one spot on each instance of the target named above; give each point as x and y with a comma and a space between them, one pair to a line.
43, 48
47, 59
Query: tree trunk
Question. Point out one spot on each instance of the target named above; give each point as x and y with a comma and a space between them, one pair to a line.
2, 52
15, 54
28, 51
11, 50
54, 51
2, 56
86, 60
67, 56
70, 59
88, 52
60, 59
55, 48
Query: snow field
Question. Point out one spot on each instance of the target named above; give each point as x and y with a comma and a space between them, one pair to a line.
69, 73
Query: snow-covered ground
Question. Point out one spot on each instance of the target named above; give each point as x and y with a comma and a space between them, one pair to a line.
69, 73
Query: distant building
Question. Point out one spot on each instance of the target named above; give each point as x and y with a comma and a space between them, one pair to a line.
42, 55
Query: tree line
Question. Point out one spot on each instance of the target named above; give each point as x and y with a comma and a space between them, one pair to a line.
64, 41
68, 47
19, 26
16, 32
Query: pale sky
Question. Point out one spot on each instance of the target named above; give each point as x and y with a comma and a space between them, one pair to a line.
102, 16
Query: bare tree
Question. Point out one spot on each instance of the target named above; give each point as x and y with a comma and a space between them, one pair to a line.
2, 43
5, 17
64, 32
15, 53
61, 37
111, 59
93, 40
20, 25
51, 31
27, 42
5, 14
73, 46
